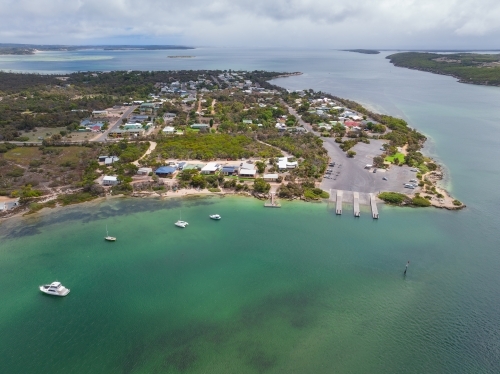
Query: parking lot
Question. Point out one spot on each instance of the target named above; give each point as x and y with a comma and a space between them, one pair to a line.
350, 174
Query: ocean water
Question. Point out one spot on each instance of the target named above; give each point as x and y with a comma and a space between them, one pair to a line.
296, 289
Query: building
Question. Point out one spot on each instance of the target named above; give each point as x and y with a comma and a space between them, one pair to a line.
147, 108
210, 168
132, 126
200, 126
248, 173
169, 116
8, 205
168, 130
124, 133
138, 118
100, 113
230, 170
109, 180
110, 160
165, 171
144, 171
247, 166
285, 164
270, 177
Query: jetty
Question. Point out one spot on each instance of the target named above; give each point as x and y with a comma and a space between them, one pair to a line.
272, 203
373, 203
338, 207
356, 204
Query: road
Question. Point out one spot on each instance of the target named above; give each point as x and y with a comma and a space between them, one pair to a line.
104, 136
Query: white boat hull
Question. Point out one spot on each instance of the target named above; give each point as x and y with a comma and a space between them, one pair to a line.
181, 224
110, 239
63, 291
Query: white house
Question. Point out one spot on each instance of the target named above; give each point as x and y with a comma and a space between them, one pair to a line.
144, 171
168, 130
210, 168
284, 163
248, 173
270, 177
8, 205
109, 180
246, 166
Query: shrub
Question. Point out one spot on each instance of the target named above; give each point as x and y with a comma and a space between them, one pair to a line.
351, 154
420, 202
392, 197
457, 202
214, 189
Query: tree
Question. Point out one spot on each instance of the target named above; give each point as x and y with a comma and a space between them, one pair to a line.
261, 186
351, 154
261, 167
198, 181
211, 122
378, 161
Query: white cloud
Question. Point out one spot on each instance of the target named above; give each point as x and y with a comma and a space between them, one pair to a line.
335, 24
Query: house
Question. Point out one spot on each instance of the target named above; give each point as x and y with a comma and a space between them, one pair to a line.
131, 132
247, 121
248, 173
181, 165
284, 164
132, 126
168, 130
270, 177
109, 180
210, 168
8, 205
147, 108
110, 160
102, 158
165, 171
144, 171
351, 124
200, 126
280, 126
247, 166
169, 116
230, 170
138, 118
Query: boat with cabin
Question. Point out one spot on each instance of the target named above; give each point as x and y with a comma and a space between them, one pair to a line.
180, 222
109, 238
215, 217
55, 289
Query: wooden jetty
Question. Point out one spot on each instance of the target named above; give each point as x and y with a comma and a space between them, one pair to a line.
272, 203
374, 206
338, 207
356, 204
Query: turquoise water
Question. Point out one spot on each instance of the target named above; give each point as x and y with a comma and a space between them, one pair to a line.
295, 290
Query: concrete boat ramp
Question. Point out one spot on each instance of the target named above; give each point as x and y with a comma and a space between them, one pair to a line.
356, 199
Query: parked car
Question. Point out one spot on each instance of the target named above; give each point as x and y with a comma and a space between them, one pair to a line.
384, 178
374, 170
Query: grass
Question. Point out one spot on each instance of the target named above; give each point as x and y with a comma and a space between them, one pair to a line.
22, 155
399, 156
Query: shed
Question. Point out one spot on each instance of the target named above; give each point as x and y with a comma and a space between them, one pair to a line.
248, 173
109, 180
165, 171
270, 177
144, 171
200, 126
110, 160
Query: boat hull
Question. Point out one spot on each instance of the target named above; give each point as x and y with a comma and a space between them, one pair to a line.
60, 293
110, 239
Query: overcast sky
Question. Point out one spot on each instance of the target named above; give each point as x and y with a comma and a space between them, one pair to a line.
405, 24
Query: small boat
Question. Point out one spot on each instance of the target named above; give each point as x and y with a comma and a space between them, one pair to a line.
55, 288
109, 238
180, 222
215, 216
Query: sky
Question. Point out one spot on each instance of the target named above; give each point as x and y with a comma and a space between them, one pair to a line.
377, 24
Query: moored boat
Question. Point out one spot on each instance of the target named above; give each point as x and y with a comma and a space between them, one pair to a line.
215, 217
55, 289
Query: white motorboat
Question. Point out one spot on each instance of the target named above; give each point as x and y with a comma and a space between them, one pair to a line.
109, 238
215, 216
55, 288
182, 224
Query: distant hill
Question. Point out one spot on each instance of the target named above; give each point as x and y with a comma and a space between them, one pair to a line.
365, 51
28, 49
473, 68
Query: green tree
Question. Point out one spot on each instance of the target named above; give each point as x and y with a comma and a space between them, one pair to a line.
261, 167
261, 186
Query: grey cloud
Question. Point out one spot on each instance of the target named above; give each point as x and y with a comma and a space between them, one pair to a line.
227, 22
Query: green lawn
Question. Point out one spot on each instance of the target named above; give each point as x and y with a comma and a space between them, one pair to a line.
399, 156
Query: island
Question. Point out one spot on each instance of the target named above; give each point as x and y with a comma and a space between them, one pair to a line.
472, 68
30, 49
364, 51
181, 56
83, 136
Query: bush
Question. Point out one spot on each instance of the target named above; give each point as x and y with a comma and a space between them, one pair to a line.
15, 172
214, 189
351, 154
457, 203
420, 201
393, 197
75, 198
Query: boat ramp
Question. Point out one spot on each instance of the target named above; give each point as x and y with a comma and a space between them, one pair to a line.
356, 199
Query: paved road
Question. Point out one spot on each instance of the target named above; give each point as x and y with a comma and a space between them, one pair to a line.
104, 136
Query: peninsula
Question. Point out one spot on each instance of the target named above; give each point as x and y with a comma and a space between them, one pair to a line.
473, 68
364, 51
73, 138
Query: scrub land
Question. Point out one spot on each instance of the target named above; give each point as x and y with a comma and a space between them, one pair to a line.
473, 68
196, 132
